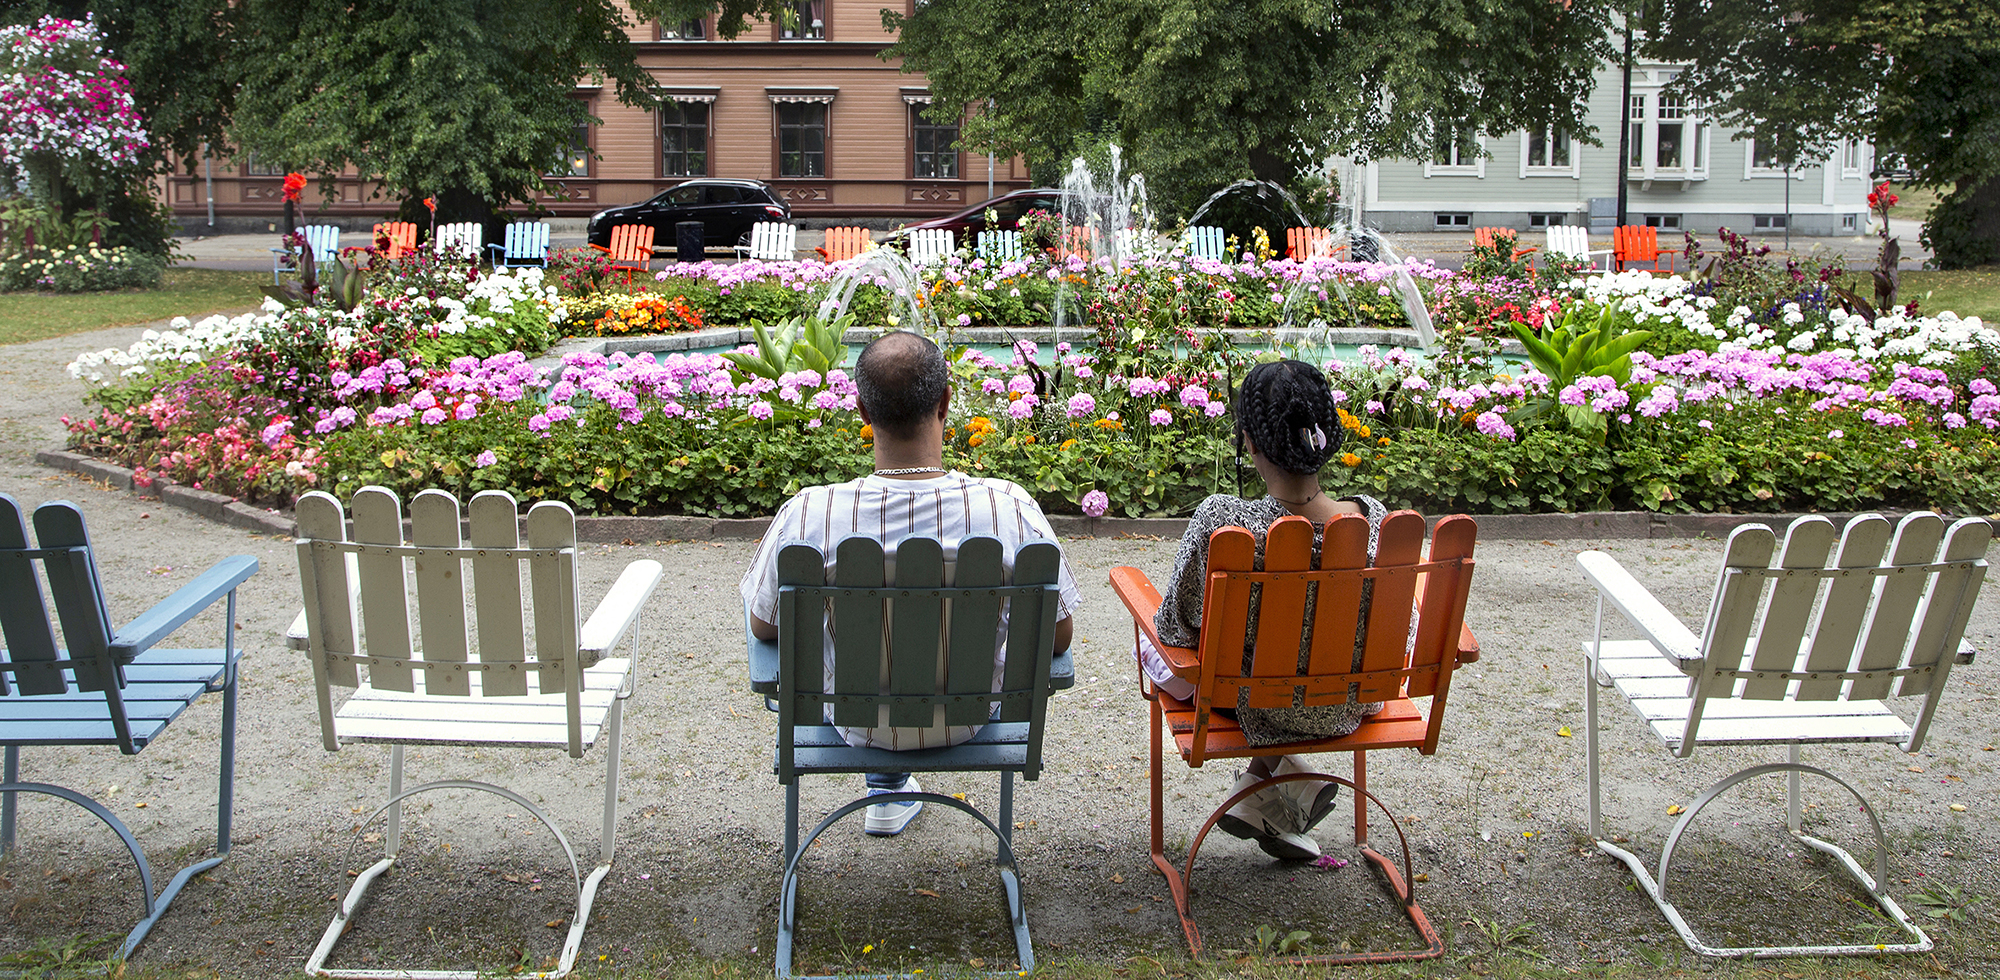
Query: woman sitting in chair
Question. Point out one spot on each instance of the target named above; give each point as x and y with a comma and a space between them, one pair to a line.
1285, 416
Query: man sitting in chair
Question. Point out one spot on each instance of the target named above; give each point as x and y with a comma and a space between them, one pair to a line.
904, 392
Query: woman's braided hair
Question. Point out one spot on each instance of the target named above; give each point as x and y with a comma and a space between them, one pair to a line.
1287, 411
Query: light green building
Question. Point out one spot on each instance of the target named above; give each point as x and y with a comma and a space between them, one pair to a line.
1686, 173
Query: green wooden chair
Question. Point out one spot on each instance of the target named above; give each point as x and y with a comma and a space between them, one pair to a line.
101, 687
920, 616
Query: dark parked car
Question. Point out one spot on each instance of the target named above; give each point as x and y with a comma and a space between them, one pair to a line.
726, 209
1008, 208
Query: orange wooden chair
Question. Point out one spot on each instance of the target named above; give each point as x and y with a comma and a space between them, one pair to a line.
631, 249
1406, 585
1306, 243
1076, 243
845, 243
1638, 243
1486, 237
402, 236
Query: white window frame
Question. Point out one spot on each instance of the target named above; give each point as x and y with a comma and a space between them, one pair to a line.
1477, 168
1573, 169
1697, 156
1852, 159
1753, 172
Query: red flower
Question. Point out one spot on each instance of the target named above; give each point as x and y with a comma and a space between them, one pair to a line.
432, 203
294, 183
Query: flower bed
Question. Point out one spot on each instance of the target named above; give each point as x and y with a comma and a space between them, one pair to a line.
1778, 408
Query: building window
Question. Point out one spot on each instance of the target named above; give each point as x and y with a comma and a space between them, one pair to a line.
1850, 159
1452, 219
1668, 139
935, 146
683, 139
803, 20
255, 167
687, 30
1635, 144
1764, 156
1664, 222
1850, 222
576, 157
1547, 220
802, 139
1456, 151
1768, 222
1549, 149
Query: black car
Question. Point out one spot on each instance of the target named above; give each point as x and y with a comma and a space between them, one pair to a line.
1008, 208
726, 209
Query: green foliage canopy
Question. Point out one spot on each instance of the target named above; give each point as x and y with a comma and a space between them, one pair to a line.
1201, 93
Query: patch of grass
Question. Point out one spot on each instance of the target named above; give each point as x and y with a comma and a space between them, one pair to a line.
1969, 292
193, 293
1913, 203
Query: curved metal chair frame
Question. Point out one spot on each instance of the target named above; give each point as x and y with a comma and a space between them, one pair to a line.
1178, 878
1876, 883
586, 889
1010, 879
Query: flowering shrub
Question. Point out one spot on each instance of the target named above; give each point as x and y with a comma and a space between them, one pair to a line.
80, 269
647, 314
62, 100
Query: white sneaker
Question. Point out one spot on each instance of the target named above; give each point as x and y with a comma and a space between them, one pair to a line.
889, 819
1289, 847
1305, 803
1257, 818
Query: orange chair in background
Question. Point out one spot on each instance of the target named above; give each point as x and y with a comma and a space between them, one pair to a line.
1486, 237
845, 243
1638, 243
1308, 243
631, 249
1393, 670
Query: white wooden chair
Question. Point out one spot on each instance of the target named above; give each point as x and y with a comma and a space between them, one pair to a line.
1572, 242
431, 688
929, 246
1203, 242
771, 241
1803, 647
527, 244
999, 246
460, 240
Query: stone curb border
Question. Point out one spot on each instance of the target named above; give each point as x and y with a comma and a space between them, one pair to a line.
1613, 525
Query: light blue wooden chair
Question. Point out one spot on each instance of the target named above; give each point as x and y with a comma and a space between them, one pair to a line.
322, 240
1204, 242
101, 687
911, 612
527, 243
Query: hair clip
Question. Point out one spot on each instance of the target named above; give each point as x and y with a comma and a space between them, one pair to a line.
1315, 438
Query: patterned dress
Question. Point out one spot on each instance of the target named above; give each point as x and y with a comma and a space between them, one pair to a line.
1179, 618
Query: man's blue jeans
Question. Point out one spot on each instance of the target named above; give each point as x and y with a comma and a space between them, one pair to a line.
885, 780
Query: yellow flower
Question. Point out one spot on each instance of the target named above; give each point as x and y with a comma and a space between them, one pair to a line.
1361, 430
1382, 441
1349, 459
867, 432
976, 439
1029, 439
1113, 424
1013, 396
1067, 443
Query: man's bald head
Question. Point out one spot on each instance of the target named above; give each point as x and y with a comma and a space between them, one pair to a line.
900, 379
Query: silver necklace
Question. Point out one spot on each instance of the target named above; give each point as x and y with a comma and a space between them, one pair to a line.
910, 470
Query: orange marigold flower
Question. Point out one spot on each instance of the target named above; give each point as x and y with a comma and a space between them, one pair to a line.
867, 432
1028, 439
1361, 431
1067, 443
1013, 396
1349, 459
1113, 424
1382, 441
976, 439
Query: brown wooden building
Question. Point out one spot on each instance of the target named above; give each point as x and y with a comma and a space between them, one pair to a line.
806, 104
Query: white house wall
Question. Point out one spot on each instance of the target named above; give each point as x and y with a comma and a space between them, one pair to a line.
1410, 195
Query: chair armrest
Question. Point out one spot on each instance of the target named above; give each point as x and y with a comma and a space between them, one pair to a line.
1966, 651
296, 636
600, 248
170, 613
1468, 645
1660, 627
495, 253
1143, 601
614, 615
1062, 671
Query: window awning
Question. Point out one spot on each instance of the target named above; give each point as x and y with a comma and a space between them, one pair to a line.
693, 94
782, 93
917, 96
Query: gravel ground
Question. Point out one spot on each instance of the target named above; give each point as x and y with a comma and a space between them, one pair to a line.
1494, 819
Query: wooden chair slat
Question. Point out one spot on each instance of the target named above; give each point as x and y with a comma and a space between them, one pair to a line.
1838, 624
325, 578
1734, 608
1788, 607
803, 629
1401, 542
434, 522
975, 621
496, 590
24, 620
75, 592
385, 611
857, 630
1887, 633
916, 630
1031, 622
1947, 606
1337, 611
552, 585
1281, 619
999, 246
1444, 593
